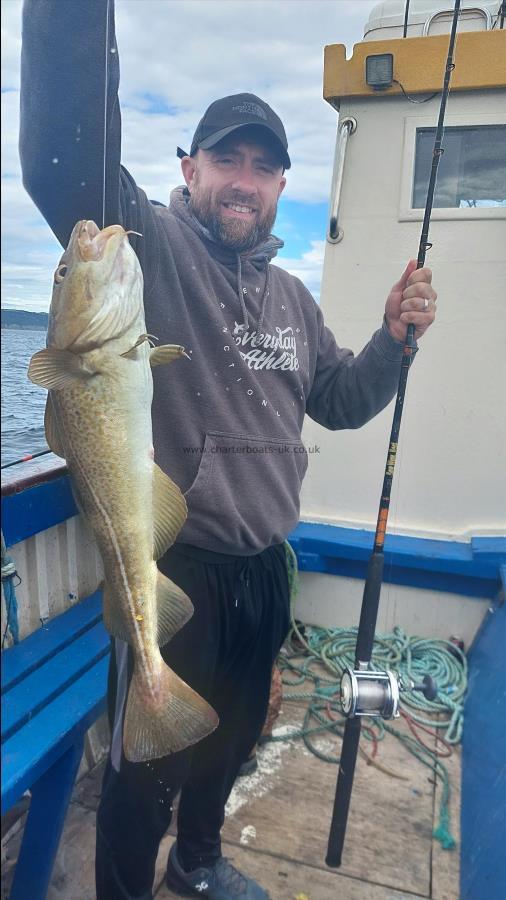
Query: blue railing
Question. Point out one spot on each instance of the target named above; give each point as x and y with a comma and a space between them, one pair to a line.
468, 568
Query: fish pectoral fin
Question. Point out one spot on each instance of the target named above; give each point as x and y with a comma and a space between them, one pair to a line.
169, 512
173, 719
174, 609
55, 369
132, 353
165, 354
51, 429
114, 620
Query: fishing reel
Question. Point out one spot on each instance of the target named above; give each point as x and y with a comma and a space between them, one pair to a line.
365, 692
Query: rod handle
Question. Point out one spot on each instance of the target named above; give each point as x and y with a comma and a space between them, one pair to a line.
343, 792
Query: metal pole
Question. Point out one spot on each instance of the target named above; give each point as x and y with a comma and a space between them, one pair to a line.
347, 126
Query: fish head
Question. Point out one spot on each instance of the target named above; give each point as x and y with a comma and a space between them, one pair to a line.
97, 291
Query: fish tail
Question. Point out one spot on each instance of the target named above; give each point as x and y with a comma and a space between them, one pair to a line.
175, 719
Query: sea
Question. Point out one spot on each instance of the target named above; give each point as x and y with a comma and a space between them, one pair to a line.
23, 403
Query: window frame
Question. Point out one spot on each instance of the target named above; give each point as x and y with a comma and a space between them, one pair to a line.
411, 124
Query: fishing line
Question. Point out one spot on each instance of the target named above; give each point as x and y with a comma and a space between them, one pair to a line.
105, 107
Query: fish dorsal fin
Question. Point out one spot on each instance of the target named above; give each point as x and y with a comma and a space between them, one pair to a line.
166, 353
169, 512
51, 429
56, 369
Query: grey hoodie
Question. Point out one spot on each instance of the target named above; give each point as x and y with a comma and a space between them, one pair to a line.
227, 423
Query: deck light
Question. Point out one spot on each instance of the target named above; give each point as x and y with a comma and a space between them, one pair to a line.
379, 71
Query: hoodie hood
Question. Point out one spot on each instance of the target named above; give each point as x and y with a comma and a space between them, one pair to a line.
260, 256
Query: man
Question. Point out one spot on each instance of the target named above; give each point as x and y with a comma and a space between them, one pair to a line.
227, 426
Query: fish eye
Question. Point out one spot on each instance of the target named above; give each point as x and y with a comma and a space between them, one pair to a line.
60, 273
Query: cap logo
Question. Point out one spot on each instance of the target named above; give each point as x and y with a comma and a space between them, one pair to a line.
253, 109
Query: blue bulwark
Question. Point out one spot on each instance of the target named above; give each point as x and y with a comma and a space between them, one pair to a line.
36, 509
483, 818
54, 688
53, 683
471, 568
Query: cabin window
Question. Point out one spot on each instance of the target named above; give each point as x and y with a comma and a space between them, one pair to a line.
471, 178
472, 169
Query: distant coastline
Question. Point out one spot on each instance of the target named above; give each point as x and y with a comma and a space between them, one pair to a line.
22, 319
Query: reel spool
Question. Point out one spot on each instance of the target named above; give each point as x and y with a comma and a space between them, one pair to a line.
365, 692
369, 693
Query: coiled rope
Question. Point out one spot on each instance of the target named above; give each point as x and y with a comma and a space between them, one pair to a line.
309, 647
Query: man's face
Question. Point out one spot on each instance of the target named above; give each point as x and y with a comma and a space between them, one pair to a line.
235, 187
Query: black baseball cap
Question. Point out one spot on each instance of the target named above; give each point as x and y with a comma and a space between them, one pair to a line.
230, 113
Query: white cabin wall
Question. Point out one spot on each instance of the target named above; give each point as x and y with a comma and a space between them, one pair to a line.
329, 601
450, 478
57, 568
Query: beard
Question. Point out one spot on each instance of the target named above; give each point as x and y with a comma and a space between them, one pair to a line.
234, 233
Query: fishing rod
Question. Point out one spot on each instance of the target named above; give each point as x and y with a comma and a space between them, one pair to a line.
365, 692
26, 458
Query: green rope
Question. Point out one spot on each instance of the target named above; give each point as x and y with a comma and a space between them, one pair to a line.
407, 657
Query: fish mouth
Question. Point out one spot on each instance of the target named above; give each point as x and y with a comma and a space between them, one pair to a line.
92, 241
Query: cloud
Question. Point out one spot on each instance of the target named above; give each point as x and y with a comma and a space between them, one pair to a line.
176, 58
308, 267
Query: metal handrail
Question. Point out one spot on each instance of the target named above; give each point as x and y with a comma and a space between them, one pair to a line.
467, 9
346, 127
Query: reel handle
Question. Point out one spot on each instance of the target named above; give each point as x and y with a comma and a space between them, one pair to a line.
428, 688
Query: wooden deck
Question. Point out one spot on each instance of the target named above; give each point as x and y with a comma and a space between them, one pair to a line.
277, 827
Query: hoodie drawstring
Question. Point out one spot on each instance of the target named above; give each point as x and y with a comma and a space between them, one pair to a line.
240, 293
265, 294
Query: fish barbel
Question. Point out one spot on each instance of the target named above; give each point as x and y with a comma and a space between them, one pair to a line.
97, 369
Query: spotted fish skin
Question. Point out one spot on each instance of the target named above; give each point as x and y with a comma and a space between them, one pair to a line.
97, 369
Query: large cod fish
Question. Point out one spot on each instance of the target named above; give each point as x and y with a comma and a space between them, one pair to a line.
97, 369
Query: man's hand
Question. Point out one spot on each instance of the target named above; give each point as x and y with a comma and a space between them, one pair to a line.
412, 299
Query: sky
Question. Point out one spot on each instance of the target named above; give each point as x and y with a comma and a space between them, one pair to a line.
177, 56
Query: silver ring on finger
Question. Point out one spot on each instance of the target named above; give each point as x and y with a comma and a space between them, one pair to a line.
425, 304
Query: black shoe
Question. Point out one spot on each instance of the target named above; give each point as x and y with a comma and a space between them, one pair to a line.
222, 881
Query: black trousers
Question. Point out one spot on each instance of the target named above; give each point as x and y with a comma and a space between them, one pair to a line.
225, 652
